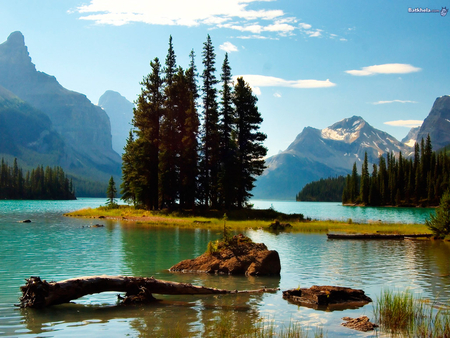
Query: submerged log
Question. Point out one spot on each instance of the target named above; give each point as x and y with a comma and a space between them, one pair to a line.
39, 293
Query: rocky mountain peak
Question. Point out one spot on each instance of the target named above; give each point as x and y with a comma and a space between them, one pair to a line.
347, 130
437, 123
14, 53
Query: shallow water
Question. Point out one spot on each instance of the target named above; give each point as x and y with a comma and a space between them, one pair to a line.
55, 248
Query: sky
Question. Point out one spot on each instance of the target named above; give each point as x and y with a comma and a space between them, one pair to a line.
310, 63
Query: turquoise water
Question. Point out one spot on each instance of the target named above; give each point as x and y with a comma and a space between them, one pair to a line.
55, 248
336, 211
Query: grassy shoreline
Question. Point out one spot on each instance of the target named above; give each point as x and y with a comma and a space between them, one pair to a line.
243, 219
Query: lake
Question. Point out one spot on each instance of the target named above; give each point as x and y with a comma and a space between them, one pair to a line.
56, 248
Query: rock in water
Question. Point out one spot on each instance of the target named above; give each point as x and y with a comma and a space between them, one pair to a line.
361, 324
237, 256
327, 297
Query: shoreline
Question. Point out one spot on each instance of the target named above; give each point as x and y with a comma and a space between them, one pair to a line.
128, 214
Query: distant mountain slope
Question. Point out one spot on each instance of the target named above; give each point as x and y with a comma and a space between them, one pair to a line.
316, 154
411, 138
84, 127
24, 129
120, 112
437, 123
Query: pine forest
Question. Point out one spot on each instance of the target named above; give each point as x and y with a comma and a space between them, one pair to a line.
37, 184
419, 180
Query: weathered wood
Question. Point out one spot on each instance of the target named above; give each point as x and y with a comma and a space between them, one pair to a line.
39, 293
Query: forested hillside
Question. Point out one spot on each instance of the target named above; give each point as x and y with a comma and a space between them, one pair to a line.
324, 190
416, 181
37, 184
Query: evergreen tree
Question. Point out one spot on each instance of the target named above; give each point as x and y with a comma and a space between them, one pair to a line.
250, 150
227, 143
354, 185
439, 223
129, 172
147, 120
111, 193
210, 163
365, 181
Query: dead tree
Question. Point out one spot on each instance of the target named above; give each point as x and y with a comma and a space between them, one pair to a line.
37, 293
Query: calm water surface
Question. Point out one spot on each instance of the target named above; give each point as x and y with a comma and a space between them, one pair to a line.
55, 248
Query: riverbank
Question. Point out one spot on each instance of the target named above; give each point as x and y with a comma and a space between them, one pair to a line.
244, 219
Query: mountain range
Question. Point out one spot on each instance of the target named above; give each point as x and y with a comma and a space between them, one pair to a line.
332, 151
45, 123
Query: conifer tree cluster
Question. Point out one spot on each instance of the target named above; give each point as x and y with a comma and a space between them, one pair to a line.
325, 190
41, 184
417, 180
179, 157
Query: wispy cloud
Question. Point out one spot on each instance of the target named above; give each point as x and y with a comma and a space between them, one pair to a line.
187, 13
228, 14
388, 68
277, 95
257, 81
228, 47
405, 123
394, 101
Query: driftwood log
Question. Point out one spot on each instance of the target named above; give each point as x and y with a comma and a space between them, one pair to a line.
39, 293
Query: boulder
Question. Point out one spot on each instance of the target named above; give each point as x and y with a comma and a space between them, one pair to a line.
236, 256
327, 297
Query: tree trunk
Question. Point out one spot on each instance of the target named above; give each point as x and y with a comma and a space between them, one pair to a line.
38, 294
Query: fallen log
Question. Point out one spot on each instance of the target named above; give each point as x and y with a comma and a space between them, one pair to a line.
37, 293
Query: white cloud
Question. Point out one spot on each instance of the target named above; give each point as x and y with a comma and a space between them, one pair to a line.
270, 81
228, 47
388, 68
304, 25
405, 123
181, 12
230, 14
277, 95
314, 33
394, 101
343, 39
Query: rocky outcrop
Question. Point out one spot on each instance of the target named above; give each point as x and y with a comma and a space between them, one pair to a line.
437, 124
120, 112
327, 297
84, 127
238, 256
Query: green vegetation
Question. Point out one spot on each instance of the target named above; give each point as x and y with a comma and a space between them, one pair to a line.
40, 183
400, 314
170, 161
244, 219
417, 181
325, 190
439, 224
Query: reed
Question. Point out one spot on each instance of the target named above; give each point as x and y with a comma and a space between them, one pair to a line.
400, 314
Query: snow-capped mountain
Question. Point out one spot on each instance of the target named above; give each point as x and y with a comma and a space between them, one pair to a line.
316, 153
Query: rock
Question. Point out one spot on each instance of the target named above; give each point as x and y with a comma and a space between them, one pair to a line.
98, 226
237, 257
361, 324
26, 221
327, 297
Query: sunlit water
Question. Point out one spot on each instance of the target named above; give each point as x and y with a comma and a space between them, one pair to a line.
55, 248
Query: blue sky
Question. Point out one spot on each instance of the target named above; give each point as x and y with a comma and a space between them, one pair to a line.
311, 63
